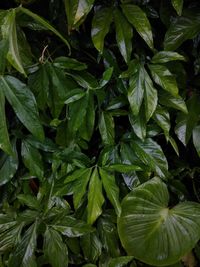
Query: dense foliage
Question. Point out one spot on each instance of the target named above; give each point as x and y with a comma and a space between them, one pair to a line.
99, 133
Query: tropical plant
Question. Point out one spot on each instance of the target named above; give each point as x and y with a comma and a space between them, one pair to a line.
99, 133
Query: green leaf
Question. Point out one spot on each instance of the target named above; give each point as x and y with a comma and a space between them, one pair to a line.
71, 227
23, 255
74, 95
69, 63
196, 139
106, 77
185, 123
39, 85
124, 35
182, 28
44, 23
112, 190
100, 27
8, 165
28, 200
87, 127
151, 231
10, 34
138, 123
166, 56
91, 246
151, 154
23, 102
123, 168
162, 118
120, 261
175, 102
5, 144
4, 46
76, 11
77, 113
136, 89
32, 159
137, 17
55, 250
150, 96
95, 198
178, 6
106, 128
163, 77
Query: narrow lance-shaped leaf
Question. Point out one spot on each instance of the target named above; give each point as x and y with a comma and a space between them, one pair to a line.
138, 123
23, 102
23, 255
111, 188
166, 56
100, 27
55, 250
4, 136
162, 118
95, 198
10, 34
44, 23
124, 35
8, 165
178, 6
106, 128
137, 17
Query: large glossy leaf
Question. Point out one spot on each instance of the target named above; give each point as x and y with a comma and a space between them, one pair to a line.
138, 123
95, 198
111, 188
10, 34
154, 233
23, 255
166, 56
196, 139
137, 17
120, 261
182, 28
151, 154
8, 165
23, 102
100, 27
171, 101
44, 23
162, 118
4, 136
124, 35
55, 250
163, 77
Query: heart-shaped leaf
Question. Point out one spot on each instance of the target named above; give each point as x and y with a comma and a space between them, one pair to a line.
151, 231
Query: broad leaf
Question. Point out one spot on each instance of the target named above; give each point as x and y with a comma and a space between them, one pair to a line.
120, 261
100, 27
23, 102
95, 198
176, 102
137, 17
69, 63
151, 154
162, 118
154, 233
196, 139
91, 246
163, 77
106, 77
106, 128
55, 250
74, 95
5, 144
138, 123
111, 188
23, 255
124, 35
182, 28
178, 6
